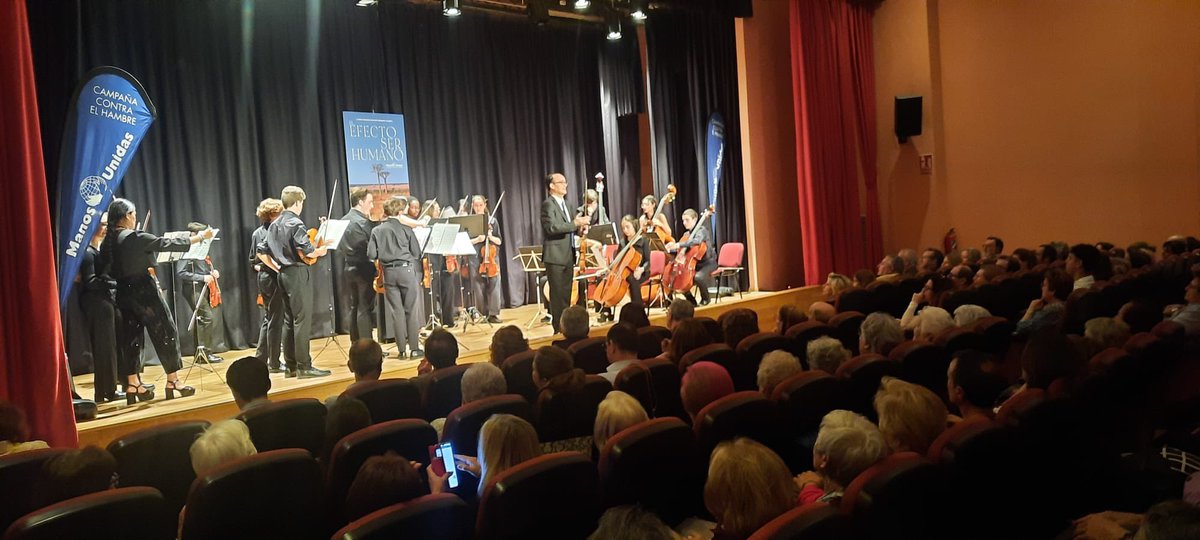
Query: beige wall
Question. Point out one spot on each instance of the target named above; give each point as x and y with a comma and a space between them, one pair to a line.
1048, 119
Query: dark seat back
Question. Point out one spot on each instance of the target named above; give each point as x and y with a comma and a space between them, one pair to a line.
750, 354
635, 380
665, 379
713, 328
388, 399
961, 339
463, 424
862, 374
650, 341
654, 465
443, 516
409, 437
980, 458
803, 333
445, 391
159, 457
20, 474
569, 415
903, 496
292, 423
805, 398
924, 364
562, 487
845, 328
997, 333
717, 353
102, 514
518, 374
590, 355
860, 300
816, 521
741, 414
275, 494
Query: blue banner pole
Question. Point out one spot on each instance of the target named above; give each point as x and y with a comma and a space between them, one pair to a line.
715, 161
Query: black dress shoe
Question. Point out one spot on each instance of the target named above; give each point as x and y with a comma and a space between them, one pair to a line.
312, 373
705, 302
493, 319
276, 369
289, 373
451, 325
214, 359
416, 353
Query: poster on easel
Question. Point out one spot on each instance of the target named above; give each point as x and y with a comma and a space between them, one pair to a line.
376, 155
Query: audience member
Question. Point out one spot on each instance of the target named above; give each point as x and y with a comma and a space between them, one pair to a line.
972, 257
482, 380
889, 268
617, 412
776, 367
574, 327
931, 260
748, 485
1120, 266
365, 361
1083, 264
1047, 311
1175, 246
1105, 332
974, 384
863, 277
909, 256
346, 416
879, 334
931, 322
1139, 315
1026, 258
967, 315
737, 324
789, 316
76, 473
688, 336
381, 482
826, 354
621, 349
631, 523
932, 294
555, 371
634, 315
441, 352
505, 441
953, 258
987, 274
835, 284
847, 444
703, 383
221, 443
821, 311
1049, 356
1140, 259
679, 311
1167, 520
992, 247
962, 277
14, 431
1189, 315
910, 416
506, 342
1008, 264
249, 382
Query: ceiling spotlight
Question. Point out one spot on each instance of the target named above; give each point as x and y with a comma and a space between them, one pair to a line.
639, 10
582, 4
614, 28
451, 8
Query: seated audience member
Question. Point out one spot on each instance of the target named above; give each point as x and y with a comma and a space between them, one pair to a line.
974, 383
835, 284
1025, 258
987, 274
1139, 315
748, 485
346, 416
863, 277
574, 327
441, 352
992, 247
249, 382
910, 416
555, 371
634, 315
776, 367
381, 482
1047, 311
1062, 249
365, 362
1167, 520
1105, 332
1188, 315
932, 294
703, 383
506, 342
1049, 356
737, 325
1140, 259
631, 523
931, 261
1105, 247
909, 256
505, 441
789, 316
14, 431
972, 257
931, 322
968, 314
679, 311
221, 443
1008, 264
688, 336
621, 349
1175, 246
1120, 265
482, 380
879, 334
76, 473
847, 444
617, 412
953, 258
821, 311
961, 277
1046, 254
889, 268
826, 354
1085, 264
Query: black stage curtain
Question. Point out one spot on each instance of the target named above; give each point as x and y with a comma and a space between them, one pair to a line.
692, 60
250, 96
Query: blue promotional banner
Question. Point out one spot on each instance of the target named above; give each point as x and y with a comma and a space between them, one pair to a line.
109, 115
715, 160
376, 154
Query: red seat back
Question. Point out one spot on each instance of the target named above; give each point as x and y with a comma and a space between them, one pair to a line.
845, 328
650, 340
275, 494
863, 374
750, 354
409, 437
635, 380
292, 423
816, 521
590, 355
805, 398
731, 254
925, 364
518, 374
804, 332
159, 457
103, 514
741, 414
445, 391
902, 496
388, 399
655, 465
19, 474
713, 328
665, 379
717, 353
552, 496
443, 516
463, 424
568, 415
658, 260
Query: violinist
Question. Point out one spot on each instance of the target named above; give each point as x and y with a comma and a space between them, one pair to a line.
129, 255
657, 223
440, 280
270, 297
358, 270
407, 216
629, 227
397, 249
287, 245
199, 277
698, 235
414, 207
486, 288
98, 303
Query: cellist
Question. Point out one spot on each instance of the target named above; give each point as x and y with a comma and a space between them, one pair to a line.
698, 234
486, 288
654, 223
629, 227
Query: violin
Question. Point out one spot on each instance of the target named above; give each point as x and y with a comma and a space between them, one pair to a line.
680, 272
451, 260
377, 283
214, 290
488, 265
614, 286
314, 235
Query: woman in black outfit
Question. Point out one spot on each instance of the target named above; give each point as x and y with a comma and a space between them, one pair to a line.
100, 312
129, 255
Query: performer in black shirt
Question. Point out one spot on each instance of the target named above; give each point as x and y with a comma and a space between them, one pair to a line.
358, 269
486, 289
199, 277
698, 235
440, 280
270, 298
99, 306
288, 246
396, 247
129, 255
641, 274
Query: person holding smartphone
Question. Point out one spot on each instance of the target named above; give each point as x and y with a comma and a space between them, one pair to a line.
505, 441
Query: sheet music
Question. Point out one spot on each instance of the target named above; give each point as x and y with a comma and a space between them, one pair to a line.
332, 230
442, 239
172, 256
199, 250
463, 245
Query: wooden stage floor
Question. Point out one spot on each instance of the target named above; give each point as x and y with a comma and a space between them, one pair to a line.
214, 402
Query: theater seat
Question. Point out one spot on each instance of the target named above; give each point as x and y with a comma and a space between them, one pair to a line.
443, 516
858, 300
570, 415
19, 476
741, 414
750, 354
713, 328
903, 496
924, 364
982, 463
816, 521
388, 399
106, 514
463, 424
275, 494
518, 374
805, 398
845, 327
961, 339
590, 355
444, 393
159, 457
717, 353
664, 377
803, 333
552, 496
650, 341
997, 333
655, 465
635, 380
291, 423
410, 438
862, 375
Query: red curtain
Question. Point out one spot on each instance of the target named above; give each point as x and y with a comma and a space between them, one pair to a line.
32, 357
833, 82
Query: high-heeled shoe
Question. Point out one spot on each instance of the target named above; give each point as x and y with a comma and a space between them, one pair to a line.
137, 392
184, 391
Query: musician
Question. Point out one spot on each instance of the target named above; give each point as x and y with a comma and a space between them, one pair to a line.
641, 273
270, 297
396, 247
558, 254
592, 208
199, 280
130, 255
698, 235
486, 289
359, 271
440, 280
407, 216
99, 305
414, 207
286, 242
649, 203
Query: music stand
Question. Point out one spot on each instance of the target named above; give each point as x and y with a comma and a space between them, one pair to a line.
330, 233
531, 264
474, 224
198, 252
656, 243
605, 233
461, 248
439, 241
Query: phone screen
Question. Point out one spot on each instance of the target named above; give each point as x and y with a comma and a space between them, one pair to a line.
446, 452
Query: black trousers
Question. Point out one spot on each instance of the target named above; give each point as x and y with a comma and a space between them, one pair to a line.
559, 276
270, 333
297, 306
101, 315
635, 288
447, 294
704, 280
486, 290
402, 291
142, 308
360, 295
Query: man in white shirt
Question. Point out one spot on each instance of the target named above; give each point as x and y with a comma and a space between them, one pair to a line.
1083, 261
621, 348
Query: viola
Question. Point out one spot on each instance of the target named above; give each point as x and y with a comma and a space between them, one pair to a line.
377, 283
680, 272
214, 290
614, 286
488, 265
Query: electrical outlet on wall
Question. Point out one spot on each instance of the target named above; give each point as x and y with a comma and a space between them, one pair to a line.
926, 161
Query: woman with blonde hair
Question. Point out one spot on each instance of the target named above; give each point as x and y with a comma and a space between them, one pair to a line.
835, 284
222, 442
910, 416
617, 412
748, 485
505, 441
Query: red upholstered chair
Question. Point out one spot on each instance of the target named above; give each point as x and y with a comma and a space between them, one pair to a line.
1108, 359
159, 457
665, 378
658, 260
961, 339
816, 521
741, 414
1169, 330
443, 516
19, 473
803, 333
924, 364
590, 355
729, 265
862, 374
750, 354
997, 333
518, 374
650, 341
276, 494
636, 381
444, 392
860, 300
713, 328
104, 514
463, 424
1013, 411
388, 399
291, 423
654, 465
552, 496
718, 353
845, 327
570, 415
982, 461
903, 496
410, 438
805, 398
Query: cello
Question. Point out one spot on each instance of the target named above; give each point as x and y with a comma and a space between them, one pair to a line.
488, 266
614, 286
680, 272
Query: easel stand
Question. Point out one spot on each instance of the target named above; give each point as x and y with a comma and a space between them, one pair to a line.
330, 233
531, 264
201, 354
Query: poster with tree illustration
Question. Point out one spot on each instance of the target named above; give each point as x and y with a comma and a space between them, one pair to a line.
376, 155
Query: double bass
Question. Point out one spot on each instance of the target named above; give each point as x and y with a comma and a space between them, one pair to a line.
680, 272
614, 286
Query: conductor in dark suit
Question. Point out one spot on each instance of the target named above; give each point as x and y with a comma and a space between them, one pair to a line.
558, 252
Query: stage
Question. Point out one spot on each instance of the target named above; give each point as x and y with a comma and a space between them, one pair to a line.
214, 402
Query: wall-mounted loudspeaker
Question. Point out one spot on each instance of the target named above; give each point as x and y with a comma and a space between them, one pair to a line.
908, 117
